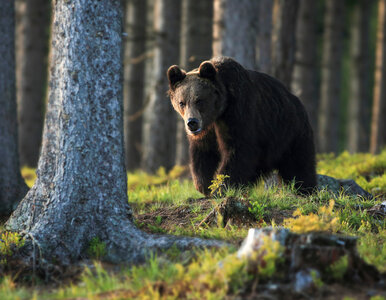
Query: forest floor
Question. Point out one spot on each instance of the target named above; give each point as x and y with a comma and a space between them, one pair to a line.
167, 203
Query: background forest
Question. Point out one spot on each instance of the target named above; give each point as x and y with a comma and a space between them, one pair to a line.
329, 53
105, 211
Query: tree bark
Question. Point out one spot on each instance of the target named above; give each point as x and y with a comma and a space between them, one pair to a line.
284, 42
159, 146
31, 71
134, 88
304, 82
196, 41
264, 36
235, 30
80, 192
331, 76
378, 122
358, 108
12, 186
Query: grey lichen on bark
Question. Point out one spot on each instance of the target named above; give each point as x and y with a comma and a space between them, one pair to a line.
12, 186
80, 192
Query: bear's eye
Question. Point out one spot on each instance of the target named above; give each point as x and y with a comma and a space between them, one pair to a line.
182, 104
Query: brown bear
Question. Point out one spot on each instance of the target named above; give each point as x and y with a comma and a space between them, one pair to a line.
242, 123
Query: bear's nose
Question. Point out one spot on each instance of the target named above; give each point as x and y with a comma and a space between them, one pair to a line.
193, 124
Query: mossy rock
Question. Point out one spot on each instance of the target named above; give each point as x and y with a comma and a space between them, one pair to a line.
347, 186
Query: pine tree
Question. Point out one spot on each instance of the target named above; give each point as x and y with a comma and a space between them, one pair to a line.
12, 186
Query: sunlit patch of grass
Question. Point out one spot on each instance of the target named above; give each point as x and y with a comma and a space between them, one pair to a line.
203, 274
93, 281
142, 179
212, 274
324, 220
174, 192
283, 198
10, 291
202, 278
230, 233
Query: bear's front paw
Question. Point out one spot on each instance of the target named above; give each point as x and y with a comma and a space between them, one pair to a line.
202, 188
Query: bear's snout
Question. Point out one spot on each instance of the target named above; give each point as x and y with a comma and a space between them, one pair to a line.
193, 125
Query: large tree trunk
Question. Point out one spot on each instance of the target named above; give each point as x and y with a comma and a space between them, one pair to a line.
358, 108
331, 76
12, 186
134, 88
264, 36
196, 46
378, 123
235, 30
32, 54
284, 42
304, 82
159, 146
80, 192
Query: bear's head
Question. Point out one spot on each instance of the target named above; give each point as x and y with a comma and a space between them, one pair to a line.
197, 96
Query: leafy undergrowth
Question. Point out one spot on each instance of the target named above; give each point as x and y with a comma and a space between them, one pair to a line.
168, 203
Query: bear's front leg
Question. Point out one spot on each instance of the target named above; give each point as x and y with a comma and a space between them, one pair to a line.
234, 157
236, 164
204, 159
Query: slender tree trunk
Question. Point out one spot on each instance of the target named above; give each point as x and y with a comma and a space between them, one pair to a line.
331, 76
358, 108
235, 30
264, 36
32, 55
284, 42
378, 123
304, 82
159, 147
80, 191
196, 41
134, 88
12, 186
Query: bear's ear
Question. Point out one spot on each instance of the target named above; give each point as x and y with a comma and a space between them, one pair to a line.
207, 70
175, 75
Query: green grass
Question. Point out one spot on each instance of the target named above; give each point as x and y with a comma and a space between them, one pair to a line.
198, 274
9, 290
172, 192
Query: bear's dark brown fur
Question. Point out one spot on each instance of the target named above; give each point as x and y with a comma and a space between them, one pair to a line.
243, 124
